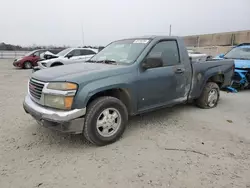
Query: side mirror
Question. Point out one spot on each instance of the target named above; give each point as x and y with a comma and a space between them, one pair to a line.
152, 62
69, 56
221, 55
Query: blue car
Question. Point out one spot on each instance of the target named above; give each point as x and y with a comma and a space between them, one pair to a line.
241, 56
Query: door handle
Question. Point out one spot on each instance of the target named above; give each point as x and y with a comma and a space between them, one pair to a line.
179, 71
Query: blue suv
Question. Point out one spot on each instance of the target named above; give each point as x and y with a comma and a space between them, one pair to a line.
241, 56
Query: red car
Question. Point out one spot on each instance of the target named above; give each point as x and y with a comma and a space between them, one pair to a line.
29, 60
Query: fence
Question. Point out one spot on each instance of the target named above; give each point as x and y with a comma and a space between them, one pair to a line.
213, 50
12, 54
218, 39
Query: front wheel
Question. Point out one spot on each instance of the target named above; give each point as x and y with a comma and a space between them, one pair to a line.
105, 121
209, 97
27, 65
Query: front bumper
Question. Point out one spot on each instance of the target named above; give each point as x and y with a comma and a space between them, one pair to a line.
16, 64
64, 121
241, 78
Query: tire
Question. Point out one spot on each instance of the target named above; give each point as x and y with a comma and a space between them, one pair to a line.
211, 90
95, 114
27, 65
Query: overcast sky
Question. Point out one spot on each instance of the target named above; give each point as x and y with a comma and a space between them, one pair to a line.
58, 22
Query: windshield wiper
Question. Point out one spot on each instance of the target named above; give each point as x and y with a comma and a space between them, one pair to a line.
106, 61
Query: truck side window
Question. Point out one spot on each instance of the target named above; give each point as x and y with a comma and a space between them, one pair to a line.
168, 50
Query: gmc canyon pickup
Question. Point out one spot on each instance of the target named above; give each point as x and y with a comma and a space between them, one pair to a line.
128, 77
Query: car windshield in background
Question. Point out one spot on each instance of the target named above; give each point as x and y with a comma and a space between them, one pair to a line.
64, 52
30, 53
123, 51
238, 53
55, 51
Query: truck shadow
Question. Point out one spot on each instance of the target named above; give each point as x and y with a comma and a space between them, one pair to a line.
151, 120
156, 118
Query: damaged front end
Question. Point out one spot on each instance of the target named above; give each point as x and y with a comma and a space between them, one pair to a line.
241, 56
241, 78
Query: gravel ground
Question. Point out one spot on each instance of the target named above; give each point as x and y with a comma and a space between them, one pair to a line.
179, 147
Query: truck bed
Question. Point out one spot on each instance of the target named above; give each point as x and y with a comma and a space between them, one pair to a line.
203, 71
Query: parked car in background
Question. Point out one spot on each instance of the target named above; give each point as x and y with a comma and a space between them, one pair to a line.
67, 56
241, 56
49, 54
198, 56
128, 77
29, 60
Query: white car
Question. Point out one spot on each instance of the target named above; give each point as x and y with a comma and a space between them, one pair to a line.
67, 56
197, 56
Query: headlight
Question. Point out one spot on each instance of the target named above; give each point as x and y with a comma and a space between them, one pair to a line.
60, 95
59, 102
62, 86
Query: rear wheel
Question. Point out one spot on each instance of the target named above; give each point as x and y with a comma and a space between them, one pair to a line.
209, 97
27, 65
105, 120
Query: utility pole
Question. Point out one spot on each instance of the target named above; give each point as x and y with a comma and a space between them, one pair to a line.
170, 29
82, 36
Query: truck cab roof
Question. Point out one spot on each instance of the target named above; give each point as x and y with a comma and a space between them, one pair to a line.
153, 37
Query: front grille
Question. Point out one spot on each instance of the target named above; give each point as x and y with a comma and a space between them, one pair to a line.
35, 88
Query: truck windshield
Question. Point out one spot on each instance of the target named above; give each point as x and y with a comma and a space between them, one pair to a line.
238, 53
123, 51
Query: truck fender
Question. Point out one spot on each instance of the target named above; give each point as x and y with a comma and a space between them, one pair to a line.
211, 77
85, 93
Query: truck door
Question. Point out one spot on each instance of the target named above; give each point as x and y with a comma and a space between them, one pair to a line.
162, 85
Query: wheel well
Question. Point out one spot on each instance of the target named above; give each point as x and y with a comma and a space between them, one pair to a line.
119, 93
218, 79
56, 64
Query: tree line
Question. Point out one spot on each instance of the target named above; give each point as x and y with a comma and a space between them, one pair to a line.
10, 47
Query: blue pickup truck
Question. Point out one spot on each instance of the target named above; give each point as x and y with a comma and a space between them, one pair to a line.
128, 77
241, 56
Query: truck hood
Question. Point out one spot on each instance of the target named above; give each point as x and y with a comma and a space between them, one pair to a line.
80, 72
